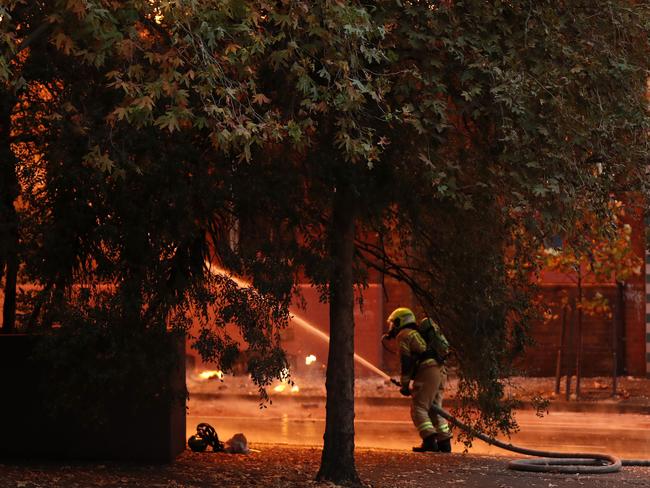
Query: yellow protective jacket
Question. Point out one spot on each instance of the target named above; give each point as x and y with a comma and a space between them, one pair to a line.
411, 347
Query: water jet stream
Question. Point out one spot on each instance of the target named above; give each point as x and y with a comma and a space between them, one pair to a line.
300, 321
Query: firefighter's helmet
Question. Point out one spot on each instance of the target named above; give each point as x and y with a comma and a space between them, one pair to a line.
205, 436
197, 443
400, 318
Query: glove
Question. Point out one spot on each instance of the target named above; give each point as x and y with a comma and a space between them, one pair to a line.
405, 390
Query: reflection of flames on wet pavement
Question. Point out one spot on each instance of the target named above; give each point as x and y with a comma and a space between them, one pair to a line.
210, 375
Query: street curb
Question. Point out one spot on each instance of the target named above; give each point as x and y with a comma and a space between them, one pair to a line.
451, 403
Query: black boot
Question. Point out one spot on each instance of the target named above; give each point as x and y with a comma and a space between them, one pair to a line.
429, 444
445, 445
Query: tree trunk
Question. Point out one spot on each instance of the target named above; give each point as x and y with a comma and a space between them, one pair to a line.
11, 281
337, 462
8, 215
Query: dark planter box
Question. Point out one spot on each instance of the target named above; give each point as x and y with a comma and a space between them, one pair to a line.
153, 433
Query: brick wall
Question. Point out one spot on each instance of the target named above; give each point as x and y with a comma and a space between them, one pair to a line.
602, 336
635, 336
600, 339
647, 313
635, 298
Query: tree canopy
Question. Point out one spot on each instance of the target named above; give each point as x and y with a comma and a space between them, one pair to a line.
437, 142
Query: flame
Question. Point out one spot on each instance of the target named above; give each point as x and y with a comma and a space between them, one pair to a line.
310, 359
208, 375
283, 387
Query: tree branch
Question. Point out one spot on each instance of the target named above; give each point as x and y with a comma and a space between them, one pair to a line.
157, 28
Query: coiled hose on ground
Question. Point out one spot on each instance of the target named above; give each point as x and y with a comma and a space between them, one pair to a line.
551, 462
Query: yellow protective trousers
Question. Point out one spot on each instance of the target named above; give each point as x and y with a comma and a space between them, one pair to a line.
428, 388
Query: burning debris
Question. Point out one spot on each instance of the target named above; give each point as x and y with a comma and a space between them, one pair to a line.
282, 387
211, 375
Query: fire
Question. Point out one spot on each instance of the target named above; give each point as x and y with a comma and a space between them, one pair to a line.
283, 387
209, 375
310, 359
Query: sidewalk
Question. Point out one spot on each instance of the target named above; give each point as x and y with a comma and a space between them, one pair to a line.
283, 466
632, 395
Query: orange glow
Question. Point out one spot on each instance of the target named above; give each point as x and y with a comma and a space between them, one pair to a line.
209, 375
282, 387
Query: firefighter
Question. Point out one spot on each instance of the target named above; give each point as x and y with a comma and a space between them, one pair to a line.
423, 363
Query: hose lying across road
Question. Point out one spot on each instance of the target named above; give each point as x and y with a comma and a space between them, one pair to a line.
551, 462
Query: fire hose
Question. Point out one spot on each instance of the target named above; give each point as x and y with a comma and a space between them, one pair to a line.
550, 461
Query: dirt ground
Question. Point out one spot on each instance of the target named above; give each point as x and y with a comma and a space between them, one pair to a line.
284, 466
295, 466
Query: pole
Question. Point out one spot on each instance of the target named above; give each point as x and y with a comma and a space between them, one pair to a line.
560, 351
579, 337
616, 319
567, 390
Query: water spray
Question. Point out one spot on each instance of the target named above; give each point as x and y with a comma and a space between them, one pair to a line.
302, 322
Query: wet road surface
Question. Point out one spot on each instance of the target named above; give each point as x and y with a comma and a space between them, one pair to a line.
389, 427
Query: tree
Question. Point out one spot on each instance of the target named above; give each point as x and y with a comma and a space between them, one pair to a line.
448, 138
119, 192
469, 132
